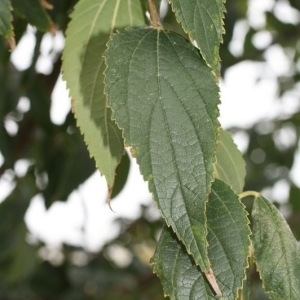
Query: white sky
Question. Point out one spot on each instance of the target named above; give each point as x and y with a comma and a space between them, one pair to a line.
244, 102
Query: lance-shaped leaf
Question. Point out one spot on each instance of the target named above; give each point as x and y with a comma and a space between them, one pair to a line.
165, 98
228, 239
230, 165
276, 251
34, 12
83, 65
203, 21
6, 28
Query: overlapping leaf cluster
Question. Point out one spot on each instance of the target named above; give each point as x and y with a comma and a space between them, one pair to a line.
161, 99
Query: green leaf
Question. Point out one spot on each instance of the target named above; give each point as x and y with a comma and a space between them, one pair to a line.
122, 172
6, 28
23, 258
230, 165
165, 99
88, 32
66, 158
228, 239
276, 251
203, 21
34, 13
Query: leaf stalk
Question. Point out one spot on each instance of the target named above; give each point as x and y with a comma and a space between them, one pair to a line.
153, 14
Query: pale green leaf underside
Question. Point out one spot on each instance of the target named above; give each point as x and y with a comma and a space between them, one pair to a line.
203, 21
230, 165
6, 28
228, 239
34, 12
92, 23
276, 251
165, 98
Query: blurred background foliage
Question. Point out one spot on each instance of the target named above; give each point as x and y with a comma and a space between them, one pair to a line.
58, 163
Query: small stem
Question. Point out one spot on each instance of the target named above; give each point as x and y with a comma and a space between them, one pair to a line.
249, 193
153, 14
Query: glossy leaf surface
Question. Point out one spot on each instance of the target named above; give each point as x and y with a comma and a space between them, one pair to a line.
165, 99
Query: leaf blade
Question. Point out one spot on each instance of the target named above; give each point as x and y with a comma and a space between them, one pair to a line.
83, 70
35, 13
148, 86
230, 165
203, 21
276, 251
181, 279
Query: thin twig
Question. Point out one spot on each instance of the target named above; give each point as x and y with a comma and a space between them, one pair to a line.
153, 14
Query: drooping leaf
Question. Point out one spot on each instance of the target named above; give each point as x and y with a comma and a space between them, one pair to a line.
276, 251
203, 21
88, 32
165, 99
6, 28
34, 12
228, 239
230, 165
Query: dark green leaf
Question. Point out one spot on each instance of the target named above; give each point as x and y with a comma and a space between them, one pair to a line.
228, 239
203, 21
165, 98
88, 32
34, 13
67, 164
122, 172
276, 251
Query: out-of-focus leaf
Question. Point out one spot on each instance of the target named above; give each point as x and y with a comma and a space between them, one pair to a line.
203, 21
6, 28
276, 251
230, 165
295, 3
17, 259
67, 164
83, 67
49, 281
228, 239
295, 198
165, 99
12, 211
24, 260
34, 13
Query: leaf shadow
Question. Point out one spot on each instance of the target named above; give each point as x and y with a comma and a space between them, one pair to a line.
92, 89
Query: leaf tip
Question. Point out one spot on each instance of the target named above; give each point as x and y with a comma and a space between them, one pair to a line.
213, 282
108, 198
